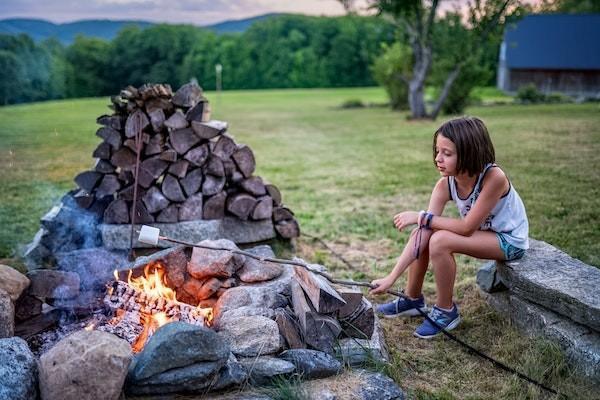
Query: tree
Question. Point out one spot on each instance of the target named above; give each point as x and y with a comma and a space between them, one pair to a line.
418, 19
570, 6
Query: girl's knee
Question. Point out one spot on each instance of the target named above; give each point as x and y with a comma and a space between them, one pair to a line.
439, 243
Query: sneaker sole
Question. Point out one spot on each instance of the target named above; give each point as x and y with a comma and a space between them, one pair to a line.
413, 312
451, 326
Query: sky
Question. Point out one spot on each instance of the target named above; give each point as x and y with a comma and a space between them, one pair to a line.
197, 12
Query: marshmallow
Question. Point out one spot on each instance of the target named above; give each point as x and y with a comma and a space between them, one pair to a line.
149, 235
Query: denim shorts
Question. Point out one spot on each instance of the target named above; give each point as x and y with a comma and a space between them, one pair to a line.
510, 252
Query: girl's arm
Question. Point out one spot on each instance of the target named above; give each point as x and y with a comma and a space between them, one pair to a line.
491, 193
439, 198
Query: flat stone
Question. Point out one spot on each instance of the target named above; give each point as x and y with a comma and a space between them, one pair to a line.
176, 345
94, 266
262, 369
218, 263
252, 296
18, 369
312, 364
116, 236
190, 378
357, 352
251, 336
580, 343
12, 281
52, 284
553, 279
258, 271
377, 386
7, 315
85, 365
230, 316
488, 278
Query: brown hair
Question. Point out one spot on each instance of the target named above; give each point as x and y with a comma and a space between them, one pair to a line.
474, 147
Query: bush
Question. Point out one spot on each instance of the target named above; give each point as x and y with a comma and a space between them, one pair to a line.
353, 103
530, 94
395, 60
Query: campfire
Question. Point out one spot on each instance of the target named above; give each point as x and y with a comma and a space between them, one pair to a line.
144, 304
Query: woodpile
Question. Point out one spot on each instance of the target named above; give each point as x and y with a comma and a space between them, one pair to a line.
188, 166
323, 314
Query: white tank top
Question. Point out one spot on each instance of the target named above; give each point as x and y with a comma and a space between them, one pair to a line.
508, 216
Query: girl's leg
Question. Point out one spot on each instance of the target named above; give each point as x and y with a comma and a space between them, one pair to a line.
416, 275
443, 245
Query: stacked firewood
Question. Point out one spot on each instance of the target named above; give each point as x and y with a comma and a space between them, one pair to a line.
188, 166
323, 313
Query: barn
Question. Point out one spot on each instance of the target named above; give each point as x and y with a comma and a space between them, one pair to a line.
556, 52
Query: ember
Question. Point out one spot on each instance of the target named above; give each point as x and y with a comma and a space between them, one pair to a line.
144, 304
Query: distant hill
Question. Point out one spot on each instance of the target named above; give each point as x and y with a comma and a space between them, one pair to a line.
40, 29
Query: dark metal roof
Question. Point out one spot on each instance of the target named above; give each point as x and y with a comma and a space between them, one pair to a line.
554, 41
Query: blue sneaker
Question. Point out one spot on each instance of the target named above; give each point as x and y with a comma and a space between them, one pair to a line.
403, 307
446, 319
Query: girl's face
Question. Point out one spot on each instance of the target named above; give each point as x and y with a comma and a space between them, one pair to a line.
446, 157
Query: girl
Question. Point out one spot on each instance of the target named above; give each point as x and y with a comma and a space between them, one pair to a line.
493, 223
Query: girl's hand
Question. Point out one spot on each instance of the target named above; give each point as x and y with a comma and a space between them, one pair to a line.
382, 284
405, 219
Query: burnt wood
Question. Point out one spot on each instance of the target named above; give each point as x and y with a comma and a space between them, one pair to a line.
244, 159
88, 180
171, 189
324, 298
214, 206
192, 181
110, 136
241, 205
191, 209
38, 324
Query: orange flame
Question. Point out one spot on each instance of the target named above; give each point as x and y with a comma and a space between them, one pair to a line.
153, 282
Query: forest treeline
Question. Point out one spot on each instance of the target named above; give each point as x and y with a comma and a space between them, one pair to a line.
286, 51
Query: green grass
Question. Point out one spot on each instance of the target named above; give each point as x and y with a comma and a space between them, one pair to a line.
345, 172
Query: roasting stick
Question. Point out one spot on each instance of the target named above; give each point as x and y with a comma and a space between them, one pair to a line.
151, 235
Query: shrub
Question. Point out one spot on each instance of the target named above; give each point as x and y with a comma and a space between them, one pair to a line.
530, 94
353, 103
395, 60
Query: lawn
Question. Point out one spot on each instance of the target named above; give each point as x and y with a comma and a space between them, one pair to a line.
345, 172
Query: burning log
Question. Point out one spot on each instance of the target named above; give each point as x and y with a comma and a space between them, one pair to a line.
125, 297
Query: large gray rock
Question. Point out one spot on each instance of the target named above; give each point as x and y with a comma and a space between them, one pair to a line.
488, 278
251, 296
177, 345
18, 369
191, 378
94, 266
7, 315
376, 386
50, 284
262, 369
238, 231
312, 364
231, 316
12, 281
85, 365
252, 336
258, 271
553, 279
580, 343
232, 374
